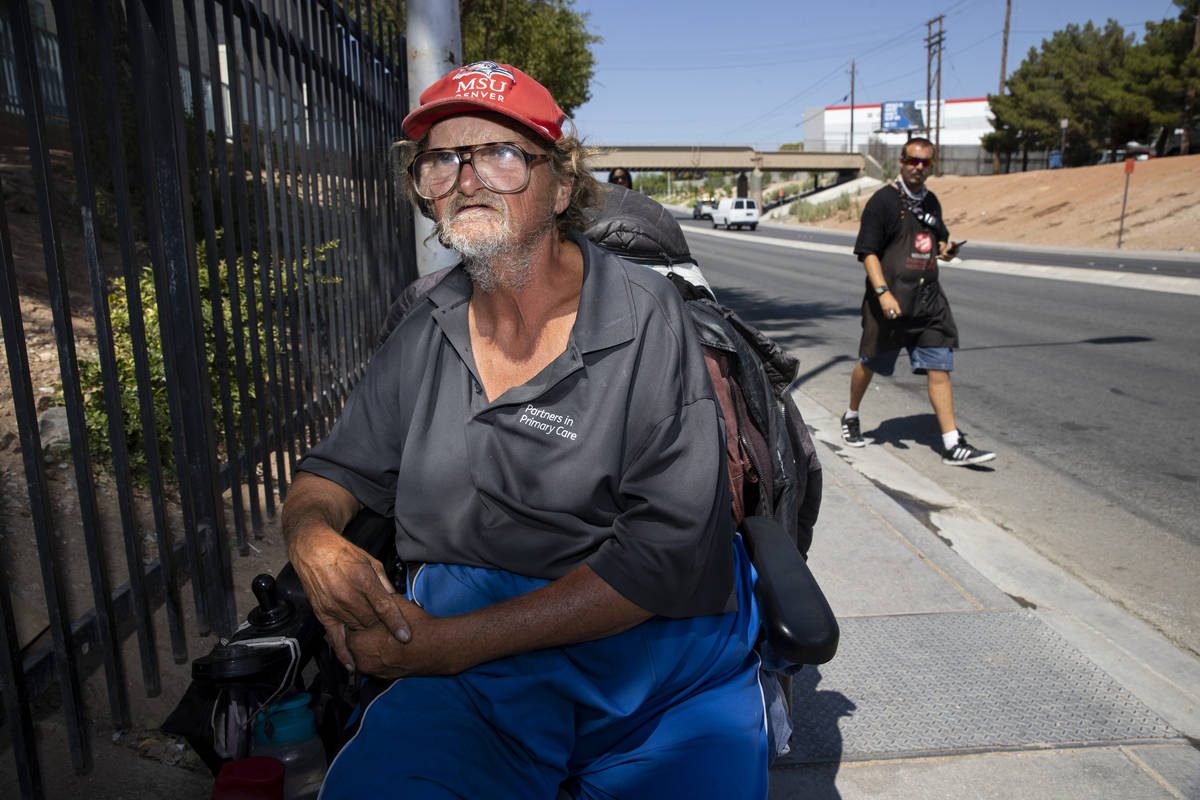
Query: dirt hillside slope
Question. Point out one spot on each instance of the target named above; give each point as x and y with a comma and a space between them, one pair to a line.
1078, 207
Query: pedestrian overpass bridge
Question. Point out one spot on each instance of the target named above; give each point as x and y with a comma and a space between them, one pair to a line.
697, 158
681, 158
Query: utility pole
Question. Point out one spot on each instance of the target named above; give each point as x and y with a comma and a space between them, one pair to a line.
928, 77
937, 132
852, 105
933, 42
1003, 73
434, 48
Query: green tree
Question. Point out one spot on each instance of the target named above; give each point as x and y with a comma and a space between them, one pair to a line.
653, 183
1078, 74
1165, 67
715, 181
548, 39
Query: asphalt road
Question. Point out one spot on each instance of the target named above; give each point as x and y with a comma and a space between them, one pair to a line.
1086, 392
1164, 263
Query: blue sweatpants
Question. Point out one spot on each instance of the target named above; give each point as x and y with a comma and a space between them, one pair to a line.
670, 708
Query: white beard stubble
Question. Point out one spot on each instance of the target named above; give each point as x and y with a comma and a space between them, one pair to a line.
503, 259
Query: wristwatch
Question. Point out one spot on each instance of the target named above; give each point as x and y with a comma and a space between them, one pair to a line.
881, 290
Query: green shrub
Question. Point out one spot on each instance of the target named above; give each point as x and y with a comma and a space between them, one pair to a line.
805, 211
91, 382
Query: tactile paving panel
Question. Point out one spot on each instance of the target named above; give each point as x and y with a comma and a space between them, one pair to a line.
917, 684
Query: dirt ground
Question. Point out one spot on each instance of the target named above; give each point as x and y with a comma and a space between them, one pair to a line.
1079, 207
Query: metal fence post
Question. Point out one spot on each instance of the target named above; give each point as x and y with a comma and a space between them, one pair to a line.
172, 244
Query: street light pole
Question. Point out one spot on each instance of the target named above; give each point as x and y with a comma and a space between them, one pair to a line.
434, 48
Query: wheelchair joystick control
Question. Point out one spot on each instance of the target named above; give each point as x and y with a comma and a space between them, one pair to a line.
273, 612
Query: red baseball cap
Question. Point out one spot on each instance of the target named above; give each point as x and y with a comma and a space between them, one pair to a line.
487, 86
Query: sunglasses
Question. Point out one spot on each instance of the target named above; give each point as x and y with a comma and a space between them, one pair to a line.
917, 162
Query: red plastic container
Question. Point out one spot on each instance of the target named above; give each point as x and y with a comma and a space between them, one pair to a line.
253, 778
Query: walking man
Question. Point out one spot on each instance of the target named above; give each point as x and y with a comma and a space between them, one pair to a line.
900, 240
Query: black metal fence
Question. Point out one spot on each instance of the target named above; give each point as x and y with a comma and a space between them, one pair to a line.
199, 239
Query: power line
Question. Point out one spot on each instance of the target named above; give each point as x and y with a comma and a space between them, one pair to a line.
789, 101
879, 49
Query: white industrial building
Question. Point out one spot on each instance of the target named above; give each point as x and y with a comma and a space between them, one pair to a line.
881, 128
963, 122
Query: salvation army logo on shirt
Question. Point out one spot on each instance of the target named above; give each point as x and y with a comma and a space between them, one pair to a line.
923, 243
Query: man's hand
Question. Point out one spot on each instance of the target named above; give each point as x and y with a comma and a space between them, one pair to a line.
578, 607
889, 305
376, 651
948, 251
348, 588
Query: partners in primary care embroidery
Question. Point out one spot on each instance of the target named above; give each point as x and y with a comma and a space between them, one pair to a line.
549, 423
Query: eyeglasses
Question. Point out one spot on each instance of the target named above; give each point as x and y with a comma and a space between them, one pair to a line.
917, 162
500, 166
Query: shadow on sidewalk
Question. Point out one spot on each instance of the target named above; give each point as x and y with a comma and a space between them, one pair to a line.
903, 433
816, 739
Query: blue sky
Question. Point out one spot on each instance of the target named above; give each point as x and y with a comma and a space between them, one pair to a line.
742, 72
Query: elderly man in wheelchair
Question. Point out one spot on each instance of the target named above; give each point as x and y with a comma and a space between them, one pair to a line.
578, 615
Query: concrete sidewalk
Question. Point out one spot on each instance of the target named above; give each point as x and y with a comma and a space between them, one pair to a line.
969, 665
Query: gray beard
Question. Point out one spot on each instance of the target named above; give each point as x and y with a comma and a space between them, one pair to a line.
492, 274
504, 261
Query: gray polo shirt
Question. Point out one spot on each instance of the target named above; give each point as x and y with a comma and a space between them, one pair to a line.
611, 456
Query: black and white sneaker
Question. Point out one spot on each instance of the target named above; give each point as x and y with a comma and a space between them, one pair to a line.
852, 432
963, 454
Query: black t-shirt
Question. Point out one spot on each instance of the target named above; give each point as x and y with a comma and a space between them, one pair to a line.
906, 245
612, 456
880, 223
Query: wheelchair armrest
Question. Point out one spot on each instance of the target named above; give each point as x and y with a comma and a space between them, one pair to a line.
798, 621
370, 531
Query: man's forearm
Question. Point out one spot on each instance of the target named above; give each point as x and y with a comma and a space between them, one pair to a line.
578, 607
313, 500
874, 269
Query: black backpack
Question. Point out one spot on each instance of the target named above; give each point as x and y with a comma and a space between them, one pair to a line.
773, 465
